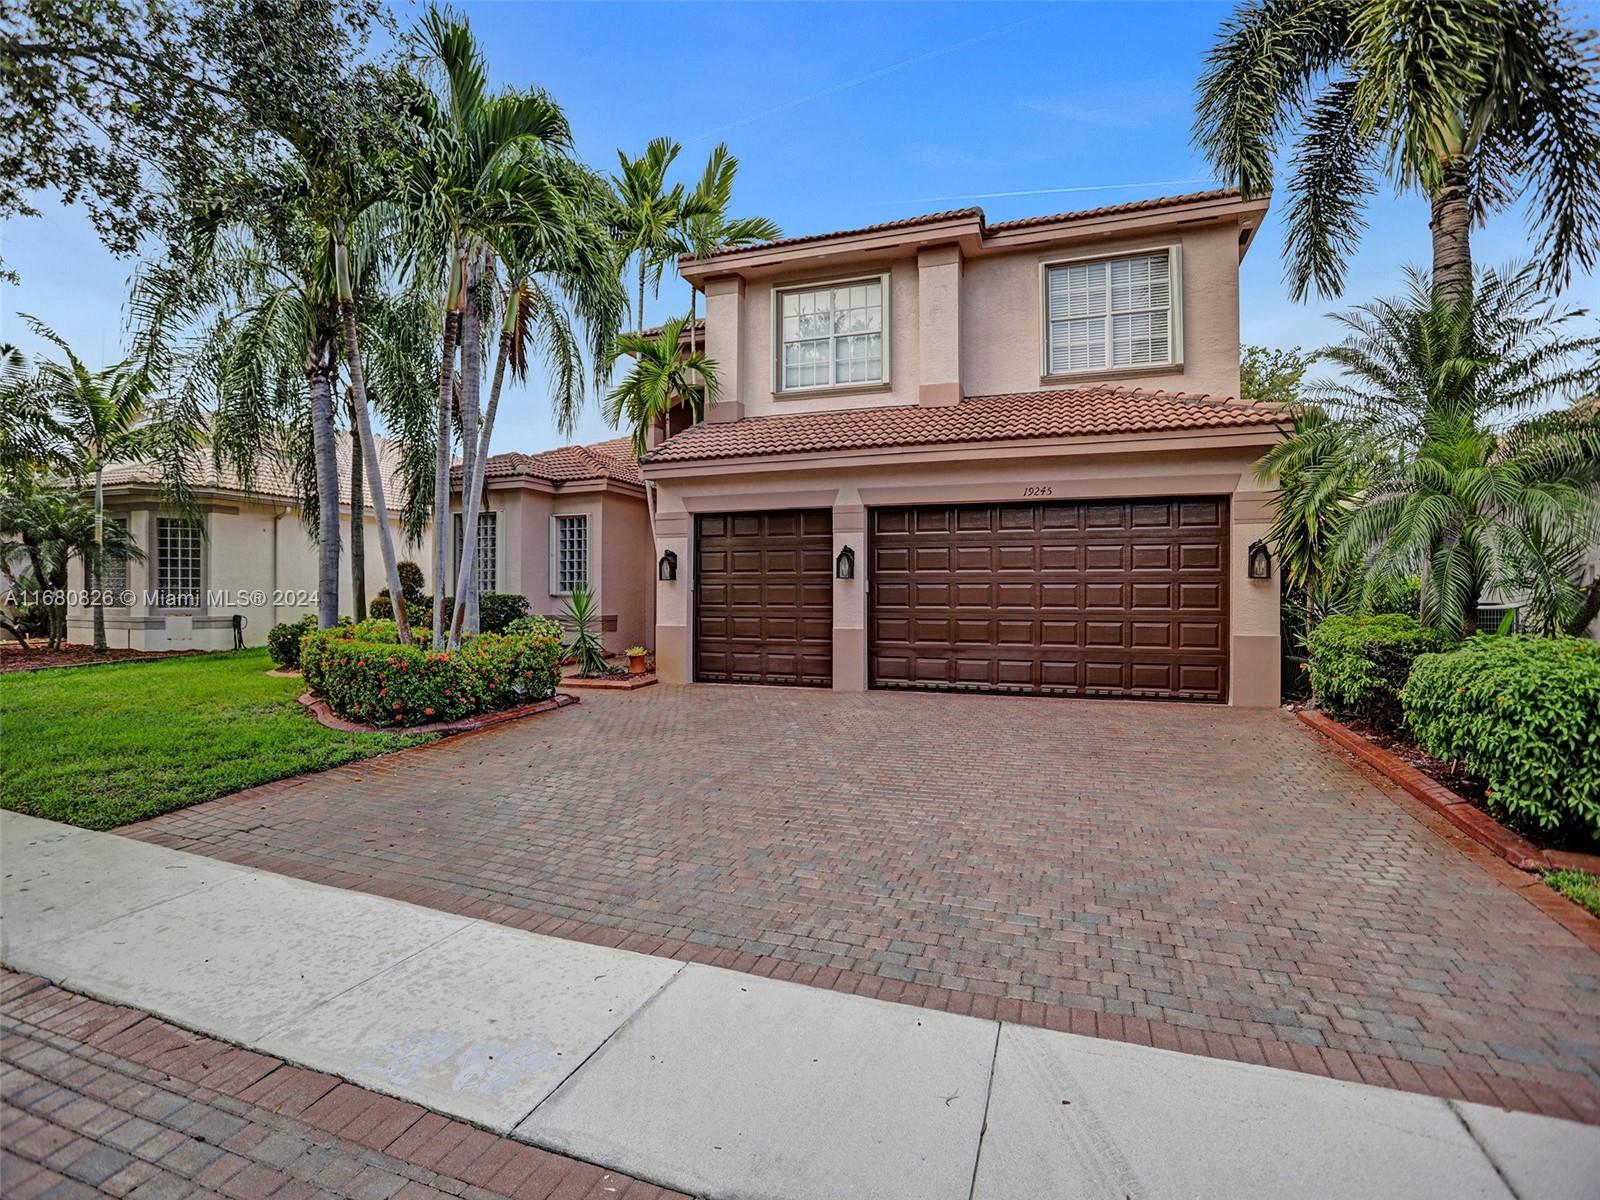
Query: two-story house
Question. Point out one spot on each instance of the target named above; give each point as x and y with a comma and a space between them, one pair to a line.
951, 454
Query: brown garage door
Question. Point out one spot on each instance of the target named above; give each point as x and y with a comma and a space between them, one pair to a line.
764, 598
1094, 598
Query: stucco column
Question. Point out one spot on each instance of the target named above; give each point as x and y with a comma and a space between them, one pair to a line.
674, 605
1255, 652
850, 600
939, 325
724, 344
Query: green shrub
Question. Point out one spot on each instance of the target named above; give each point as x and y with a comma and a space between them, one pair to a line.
364, 674
1386, 594
411, 581
1359, 664
283, 641
1523, 713
543, 626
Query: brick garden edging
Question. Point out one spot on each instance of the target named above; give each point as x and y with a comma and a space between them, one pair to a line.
326, 716
1472, 821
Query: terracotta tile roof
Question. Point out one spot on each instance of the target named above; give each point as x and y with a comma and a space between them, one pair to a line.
954, 214
697, 326
1091, 410
272, 476
568, 464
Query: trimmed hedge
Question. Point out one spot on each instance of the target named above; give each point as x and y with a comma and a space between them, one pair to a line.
365, 675
1359, 664
496, 610
283, 641
1523, 713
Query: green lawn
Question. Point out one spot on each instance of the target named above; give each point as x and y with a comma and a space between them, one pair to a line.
103, 746
1577, 885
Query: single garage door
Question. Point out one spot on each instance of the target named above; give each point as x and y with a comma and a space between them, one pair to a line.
1093, 598
764, 598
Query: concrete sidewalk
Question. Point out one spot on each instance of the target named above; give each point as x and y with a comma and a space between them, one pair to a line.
717, 1082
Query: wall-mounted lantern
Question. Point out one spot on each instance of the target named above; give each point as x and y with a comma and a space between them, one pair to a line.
845, 565
667, 568
1260, 561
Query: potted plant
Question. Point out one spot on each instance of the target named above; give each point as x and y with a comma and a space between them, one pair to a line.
636, 660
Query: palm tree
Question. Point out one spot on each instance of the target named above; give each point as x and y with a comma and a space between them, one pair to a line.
1475, 105
664, 375
706, 226
97, 415
490, 173
649, 219
1459, 482
1320, 473
45, 523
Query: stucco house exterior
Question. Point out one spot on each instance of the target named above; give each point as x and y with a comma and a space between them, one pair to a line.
571, 515
248, 555
951, 454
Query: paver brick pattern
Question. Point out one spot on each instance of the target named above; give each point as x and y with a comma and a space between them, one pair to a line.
1208, 879
97, 1099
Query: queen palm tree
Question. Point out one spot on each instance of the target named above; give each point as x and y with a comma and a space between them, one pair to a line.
1443, 409
1474, 105
97, 415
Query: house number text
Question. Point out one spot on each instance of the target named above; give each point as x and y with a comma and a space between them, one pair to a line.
1039, 490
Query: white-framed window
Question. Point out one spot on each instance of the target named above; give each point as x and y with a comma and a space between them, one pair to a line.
486, 559
569, 553
114, 572
1100, 314
833, 334
177, 562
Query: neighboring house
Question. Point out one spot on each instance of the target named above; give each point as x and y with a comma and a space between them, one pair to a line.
570, 516
248, 555
959, 455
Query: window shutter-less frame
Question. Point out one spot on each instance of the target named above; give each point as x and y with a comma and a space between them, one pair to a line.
1101, 314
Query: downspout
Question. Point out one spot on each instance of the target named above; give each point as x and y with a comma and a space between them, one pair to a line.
273, 599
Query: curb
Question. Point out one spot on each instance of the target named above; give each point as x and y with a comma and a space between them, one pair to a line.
1460, 812
327, 717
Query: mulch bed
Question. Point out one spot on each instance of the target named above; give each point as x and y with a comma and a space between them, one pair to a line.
1451, 775
39, 657
332, 720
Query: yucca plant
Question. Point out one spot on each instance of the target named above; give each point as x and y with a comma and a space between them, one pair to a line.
581, 616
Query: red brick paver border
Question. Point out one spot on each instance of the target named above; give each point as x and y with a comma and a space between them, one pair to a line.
104, 1100
1200, 878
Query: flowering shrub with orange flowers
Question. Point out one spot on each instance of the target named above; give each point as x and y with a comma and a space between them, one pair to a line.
365, 675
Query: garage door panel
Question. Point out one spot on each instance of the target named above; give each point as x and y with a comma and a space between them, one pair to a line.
764, 598
1091, 598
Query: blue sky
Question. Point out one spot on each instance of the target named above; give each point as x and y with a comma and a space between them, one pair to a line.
844, 115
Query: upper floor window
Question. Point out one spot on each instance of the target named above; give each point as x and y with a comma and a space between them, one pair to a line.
486, 558
569, 554
177, 562
834, 335
1115, 312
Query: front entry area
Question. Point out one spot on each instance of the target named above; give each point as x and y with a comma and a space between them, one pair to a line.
1121, 598
764, 598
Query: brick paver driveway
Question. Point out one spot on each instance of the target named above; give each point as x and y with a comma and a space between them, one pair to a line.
1213, 880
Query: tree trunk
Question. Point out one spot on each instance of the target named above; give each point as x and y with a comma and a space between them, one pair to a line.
441, 474
1587, 612
1451, 224
369, 454
472, 491
471, 390
100, 646
325, 451
641, 292
358, 519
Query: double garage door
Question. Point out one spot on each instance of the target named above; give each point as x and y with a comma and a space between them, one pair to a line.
1079, 598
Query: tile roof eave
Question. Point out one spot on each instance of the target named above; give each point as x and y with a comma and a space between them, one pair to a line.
1265, 432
